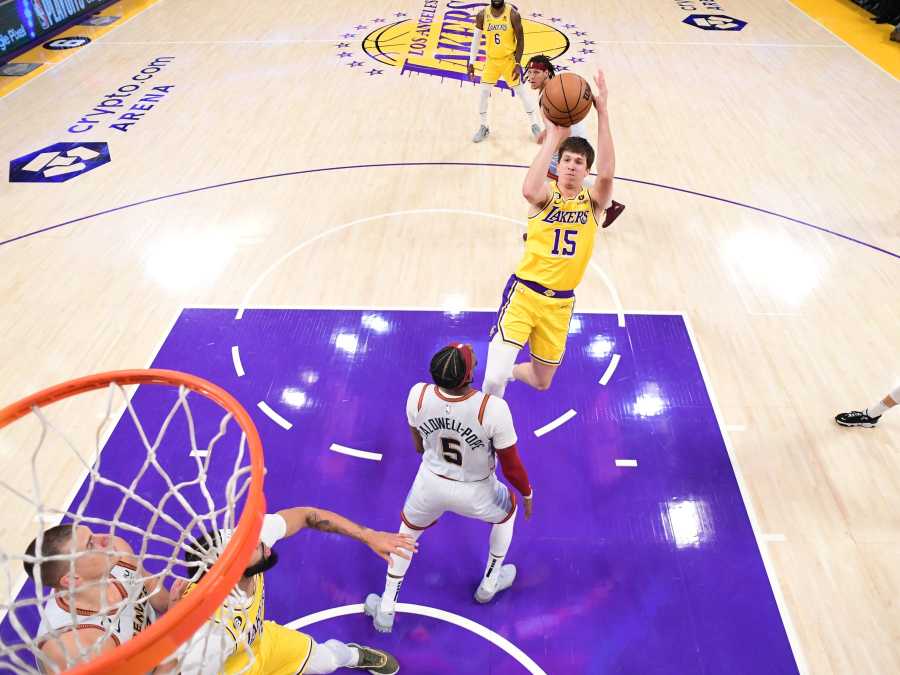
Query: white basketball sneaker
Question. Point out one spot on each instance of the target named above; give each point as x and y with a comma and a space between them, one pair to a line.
504, 581
383, 621
481, 134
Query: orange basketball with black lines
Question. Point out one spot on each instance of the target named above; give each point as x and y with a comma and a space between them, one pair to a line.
567, 99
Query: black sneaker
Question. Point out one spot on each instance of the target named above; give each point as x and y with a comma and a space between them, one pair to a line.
856, 418
376, 661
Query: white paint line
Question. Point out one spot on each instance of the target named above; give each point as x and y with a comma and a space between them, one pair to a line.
337, 228
405, 608
227, 42
790, 628
626, 462
274, 416
610, 369
559, 421
344, 450
774, 537
735, 427
236, 360
620, 313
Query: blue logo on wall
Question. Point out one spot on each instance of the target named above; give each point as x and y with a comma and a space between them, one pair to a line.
714, 22
58, 162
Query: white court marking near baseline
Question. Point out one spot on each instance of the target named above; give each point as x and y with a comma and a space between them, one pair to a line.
610, 369
494, 638
353, 452
236, 360
627, 462
789, 627
559, 421
274, 416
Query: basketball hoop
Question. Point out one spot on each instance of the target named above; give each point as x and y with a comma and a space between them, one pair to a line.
159, 640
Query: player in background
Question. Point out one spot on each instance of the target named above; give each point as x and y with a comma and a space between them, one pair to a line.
460, 433
504, 45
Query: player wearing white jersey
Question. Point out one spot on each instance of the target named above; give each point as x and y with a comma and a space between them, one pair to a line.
100, 595
460, 433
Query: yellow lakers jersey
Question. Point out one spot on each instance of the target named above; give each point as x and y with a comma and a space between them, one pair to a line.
499, 34
244, 623
560, 241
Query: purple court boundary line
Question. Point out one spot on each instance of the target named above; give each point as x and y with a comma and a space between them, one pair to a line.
413, 164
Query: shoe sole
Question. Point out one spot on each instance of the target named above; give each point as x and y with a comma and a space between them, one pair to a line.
864, 425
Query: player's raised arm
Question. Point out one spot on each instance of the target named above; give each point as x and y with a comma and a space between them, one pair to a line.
601, 190
288, 522
476, 44
535, 188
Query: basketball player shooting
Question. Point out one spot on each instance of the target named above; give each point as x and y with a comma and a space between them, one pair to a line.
538, 73
460, 432
539, 298
504, 46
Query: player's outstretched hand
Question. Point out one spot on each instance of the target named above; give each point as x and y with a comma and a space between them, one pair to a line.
556, 133
470, 69
386, 543
601, 93
529, 506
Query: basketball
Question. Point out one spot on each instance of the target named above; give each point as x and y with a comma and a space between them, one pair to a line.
566, 100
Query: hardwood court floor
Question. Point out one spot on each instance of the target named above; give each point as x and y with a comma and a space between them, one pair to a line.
758, 166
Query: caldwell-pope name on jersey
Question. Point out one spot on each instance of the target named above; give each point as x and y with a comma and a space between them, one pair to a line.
556, 215
438, 423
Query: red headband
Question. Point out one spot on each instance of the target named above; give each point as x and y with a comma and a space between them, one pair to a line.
537, 65
468, 358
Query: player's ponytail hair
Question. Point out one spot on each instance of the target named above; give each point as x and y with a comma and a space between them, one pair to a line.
451, 367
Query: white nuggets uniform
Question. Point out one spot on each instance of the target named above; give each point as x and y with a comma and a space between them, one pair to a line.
459, 435
121, 623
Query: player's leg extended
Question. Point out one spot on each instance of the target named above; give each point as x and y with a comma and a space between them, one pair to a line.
489, 77
494, 503
511, 331
515, 82
548, 342
423, 506
329, 656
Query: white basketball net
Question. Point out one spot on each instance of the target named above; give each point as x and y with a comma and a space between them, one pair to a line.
156, 491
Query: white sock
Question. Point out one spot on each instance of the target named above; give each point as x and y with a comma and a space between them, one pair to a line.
483, 95
876, 410
328, 656
396, 571
501, 537
500, 361
527, 103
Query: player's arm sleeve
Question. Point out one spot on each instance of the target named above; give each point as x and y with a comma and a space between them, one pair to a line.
513, 470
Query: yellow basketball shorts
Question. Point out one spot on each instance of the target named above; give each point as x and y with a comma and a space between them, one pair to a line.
494, 69
541, 321
282, 651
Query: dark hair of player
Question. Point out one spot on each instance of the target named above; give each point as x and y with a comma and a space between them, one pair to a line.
451, 367
542, 63
578, 146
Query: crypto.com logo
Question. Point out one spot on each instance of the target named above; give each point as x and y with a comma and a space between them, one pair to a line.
58, 162
714, 22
